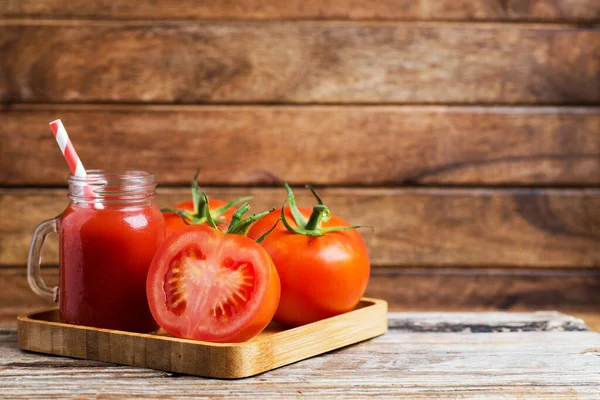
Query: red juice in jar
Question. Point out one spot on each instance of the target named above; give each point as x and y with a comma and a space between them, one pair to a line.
107, 243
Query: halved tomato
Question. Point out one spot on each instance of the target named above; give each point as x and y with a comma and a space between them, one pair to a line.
207, 285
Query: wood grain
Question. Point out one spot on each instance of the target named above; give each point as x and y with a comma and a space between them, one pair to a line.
328, 144
591, 319
573, 291
526, 365
456, 10
414, 227
17, 298
429, 289
297, 62
477, 322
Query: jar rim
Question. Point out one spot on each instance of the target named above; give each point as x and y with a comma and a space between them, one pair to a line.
95, 174
112, 187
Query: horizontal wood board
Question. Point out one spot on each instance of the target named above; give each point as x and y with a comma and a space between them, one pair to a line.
459, 10
413, 227
409, 289
330, 145
525, 365
488, 322
430, 289
297, 62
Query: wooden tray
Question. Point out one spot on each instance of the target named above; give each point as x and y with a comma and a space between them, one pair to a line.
276, 346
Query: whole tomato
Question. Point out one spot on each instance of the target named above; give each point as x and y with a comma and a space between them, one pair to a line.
193, 212
322, 261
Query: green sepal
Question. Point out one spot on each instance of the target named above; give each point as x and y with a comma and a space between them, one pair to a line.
264, 235
314, 192
285, 222
320, 214
185, 215
223, 209
345, 228
181, 213
298, 217
196, 192
201, 207
240, 225
206, 211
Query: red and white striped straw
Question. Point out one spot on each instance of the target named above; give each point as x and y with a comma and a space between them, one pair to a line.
75, 165
62, 138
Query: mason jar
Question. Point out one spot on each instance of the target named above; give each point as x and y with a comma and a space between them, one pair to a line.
108, 235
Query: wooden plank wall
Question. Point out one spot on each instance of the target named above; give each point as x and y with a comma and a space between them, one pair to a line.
467, 132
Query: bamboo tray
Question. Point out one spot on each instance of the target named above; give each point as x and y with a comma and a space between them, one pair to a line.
275, 347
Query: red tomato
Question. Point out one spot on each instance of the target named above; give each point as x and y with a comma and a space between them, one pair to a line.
206, 285
320, 276
174, 222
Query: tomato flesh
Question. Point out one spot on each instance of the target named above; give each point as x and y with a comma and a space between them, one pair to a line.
207, 285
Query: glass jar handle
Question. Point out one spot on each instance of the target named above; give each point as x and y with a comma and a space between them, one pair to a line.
34, 273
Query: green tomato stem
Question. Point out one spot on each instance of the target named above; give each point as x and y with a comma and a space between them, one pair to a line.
320, 214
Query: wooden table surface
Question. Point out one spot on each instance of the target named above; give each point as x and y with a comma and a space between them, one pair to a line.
423, 355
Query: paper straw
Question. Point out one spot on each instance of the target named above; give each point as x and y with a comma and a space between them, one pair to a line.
68, 150
62, 138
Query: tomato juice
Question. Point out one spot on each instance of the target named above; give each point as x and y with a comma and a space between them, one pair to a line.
105, 252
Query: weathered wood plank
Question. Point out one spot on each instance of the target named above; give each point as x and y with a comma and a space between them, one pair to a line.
456, 10
423, 289
477, 322
399, 364
430, 289
591, 319
414, 227
329, 144
16, 298
297, 62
